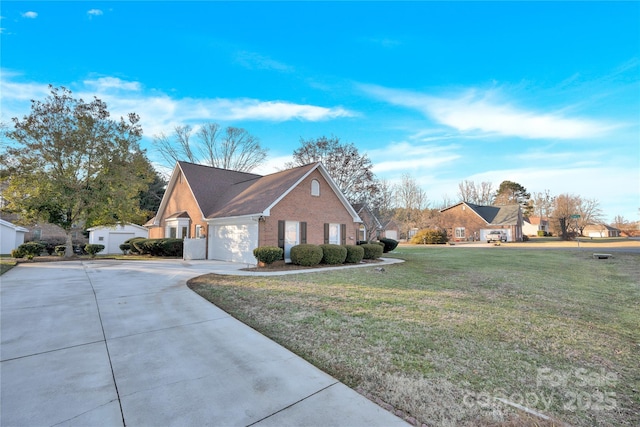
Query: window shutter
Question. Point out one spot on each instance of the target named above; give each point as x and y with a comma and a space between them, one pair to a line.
343, 234
303, 233
326, 233
281, 234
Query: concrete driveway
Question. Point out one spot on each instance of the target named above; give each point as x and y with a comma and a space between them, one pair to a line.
116, 343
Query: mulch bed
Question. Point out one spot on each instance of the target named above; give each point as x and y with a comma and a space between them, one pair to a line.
282, 266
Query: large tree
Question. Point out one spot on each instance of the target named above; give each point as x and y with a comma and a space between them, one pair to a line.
472, 192
349, 169
71, 164
512, 193
230, 148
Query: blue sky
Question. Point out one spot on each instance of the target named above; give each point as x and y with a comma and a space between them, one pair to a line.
545, 94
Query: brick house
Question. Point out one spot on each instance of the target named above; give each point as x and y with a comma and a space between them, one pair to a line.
230, 213
469, 222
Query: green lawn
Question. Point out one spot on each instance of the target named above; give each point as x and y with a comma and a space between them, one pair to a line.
444, 334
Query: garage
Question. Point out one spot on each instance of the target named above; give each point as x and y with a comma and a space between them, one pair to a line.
233, 242
113, 236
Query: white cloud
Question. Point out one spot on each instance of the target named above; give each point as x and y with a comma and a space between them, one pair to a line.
484, 111
30, 15
160, 112
400, 157
94, 12
105, 83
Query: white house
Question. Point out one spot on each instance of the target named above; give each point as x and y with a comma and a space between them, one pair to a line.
11, 236
113, 236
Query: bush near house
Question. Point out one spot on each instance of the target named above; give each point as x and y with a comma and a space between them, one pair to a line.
389, 244
430, 237
132, 247
28, 250
306, 255
372, 250
333, 254
268, 254
354, 254
125, 248
158, 247
93, 249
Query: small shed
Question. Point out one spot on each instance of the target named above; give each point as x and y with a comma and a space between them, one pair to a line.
113, 236
11, 236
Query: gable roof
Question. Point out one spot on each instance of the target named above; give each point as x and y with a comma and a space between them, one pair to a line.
493, 215
222, 193
360, 207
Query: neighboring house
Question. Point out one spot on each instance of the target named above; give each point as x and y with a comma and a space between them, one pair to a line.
600, 230
50, 233
370, 228
231, 213
467, 221
11, 236
531, 225
390, 230
113, 236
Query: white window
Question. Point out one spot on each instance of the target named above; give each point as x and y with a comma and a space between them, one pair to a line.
362, 233
334, 234
315, 188
460, 233
101, 238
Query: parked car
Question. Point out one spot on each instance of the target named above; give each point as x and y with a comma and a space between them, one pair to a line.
496, 236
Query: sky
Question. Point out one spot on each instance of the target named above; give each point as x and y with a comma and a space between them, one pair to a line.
545, 94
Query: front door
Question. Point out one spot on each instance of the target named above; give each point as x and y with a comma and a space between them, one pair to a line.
291, 238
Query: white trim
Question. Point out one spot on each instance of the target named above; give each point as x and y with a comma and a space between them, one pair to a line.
169, 190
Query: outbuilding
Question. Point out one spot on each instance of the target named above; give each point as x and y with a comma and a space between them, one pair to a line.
113, 236
11, 236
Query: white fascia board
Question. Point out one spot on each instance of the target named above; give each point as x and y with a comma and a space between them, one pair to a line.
230, 220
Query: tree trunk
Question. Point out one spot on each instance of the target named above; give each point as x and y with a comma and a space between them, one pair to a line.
68, 251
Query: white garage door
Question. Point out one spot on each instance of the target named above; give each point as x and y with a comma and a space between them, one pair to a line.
115, 240
391, 234
234, 242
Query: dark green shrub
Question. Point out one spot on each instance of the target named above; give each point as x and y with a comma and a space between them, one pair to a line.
133, 249
125, 248
18, 253
372, 250
31, 249
51, 243
60, 249
333, 254
268, 254
430, 237
306, 255
354, 254
171, 247
389, 244
93, 249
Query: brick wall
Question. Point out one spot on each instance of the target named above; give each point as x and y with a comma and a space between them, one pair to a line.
461, 216
300, 205
180, 199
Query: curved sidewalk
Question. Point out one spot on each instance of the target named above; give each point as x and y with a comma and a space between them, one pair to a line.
116, 343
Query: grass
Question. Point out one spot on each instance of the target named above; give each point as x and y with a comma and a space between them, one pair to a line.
444, 334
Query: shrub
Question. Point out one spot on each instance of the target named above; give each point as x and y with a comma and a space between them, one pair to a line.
372, 250
125, 248
171, 247
60, 249
306, 255
31, 249
51, 243
18, 253
430, 237
268, 254
389, 244
131, 241
354, 254
93, 249
333, 254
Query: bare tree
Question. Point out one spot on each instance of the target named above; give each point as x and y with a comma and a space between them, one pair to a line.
565, 205
349, 169
410, 200
472, 192
543, 203
234, 148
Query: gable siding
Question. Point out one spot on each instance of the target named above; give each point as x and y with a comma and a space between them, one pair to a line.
180, 199
300, 205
